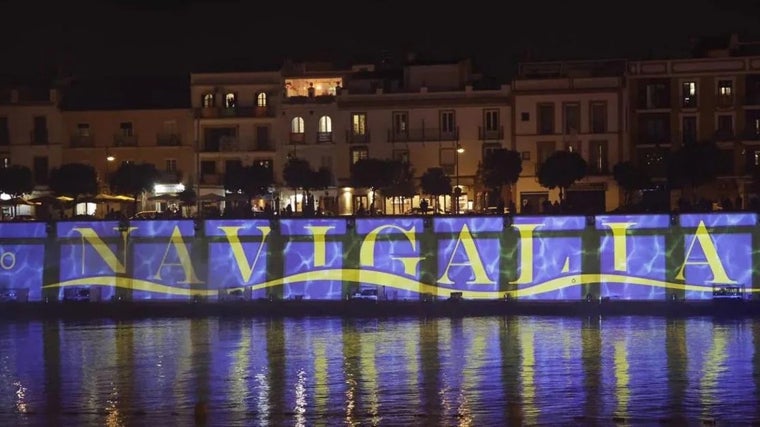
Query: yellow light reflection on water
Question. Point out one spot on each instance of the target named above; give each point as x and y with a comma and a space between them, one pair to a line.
241, 358
21, 405
299, 411
411, 357
473, 363
369, 375
621, 378
321, 389
528, 376
715, 364
115, 417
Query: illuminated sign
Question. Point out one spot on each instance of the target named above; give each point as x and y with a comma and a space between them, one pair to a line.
632, 257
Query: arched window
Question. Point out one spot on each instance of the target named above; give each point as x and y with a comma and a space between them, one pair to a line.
261, 99
296, 125
207, 100
230, 100
325, 124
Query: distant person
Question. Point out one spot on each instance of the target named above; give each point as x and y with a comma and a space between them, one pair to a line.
424, 206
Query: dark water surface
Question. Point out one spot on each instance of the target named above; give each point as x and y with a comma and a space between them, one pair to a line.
330, 371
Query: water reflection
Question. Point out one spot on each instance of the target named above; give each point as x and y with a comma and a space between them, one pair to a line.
328, 371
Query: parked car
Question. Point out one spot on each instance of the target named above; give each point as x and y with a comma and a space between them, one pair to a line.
365, 294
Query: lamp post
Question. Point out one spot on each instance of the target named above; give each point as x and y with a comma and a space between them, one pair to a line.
458, 190
109, 159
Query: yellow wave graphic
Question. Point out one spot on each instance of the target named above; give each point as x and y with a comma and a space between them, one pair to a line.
390, 280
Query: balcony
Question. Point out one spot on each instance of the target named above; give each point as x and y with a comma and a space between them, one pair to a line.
121, 140
239, 112
39, 137
168, 140
751, 134
724, 135
234, 144
265, 145
319, 99
357, 138
491, 134
423, 135
324, 137
211, 179
654, 138
82, 141
752, 99
725, 101
170, 176
297, 138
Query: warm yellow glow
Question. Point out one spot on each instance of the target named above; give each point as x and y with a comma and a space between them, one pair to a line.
714, 365
110, 158
528, 370
622, 378
369, 375
460, 150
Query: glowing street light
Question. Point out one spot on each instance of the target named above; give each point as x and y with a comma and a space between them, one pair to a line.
458, 189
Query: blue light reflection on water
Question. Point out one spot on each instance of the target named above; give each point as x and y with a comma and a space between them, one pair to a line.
328, 371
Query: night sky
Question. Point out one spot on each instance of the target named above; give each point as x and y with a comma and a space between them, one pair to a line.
119, 37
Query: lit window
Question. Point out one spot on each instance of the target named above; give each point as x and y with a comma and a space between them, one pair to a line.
230, 100
261, 99
296, 125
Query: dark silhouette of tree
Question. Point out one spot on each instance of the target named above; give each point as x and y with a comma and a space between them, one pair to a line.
15, 181
693, 165
435, 182
561, 170
501, 167
253, 180
134, 179
74, 180
630, 178
188, 198
372, 174
401, 184
298, 174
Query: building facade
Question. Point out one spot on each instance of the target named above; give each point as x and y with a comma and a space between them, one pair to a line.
575, 106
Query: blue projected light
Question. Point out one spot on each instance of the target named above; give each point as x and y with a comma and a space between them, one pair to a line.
553, 268
22, 259
238, 253
468, 255
717, 252
92, 255
313, 255
391, 245
631, 252
163, 257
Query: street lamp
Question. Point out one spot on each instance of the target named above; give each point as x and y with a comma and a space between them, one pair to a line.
109, 159
458, 190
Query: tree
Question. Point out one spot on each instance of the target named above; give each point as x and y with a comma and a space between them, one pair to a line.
133, 179
630, 178
15, 181
74, 180
560, 170
501, 167
401, 183
188, 198
372, 174
693, 165
435, 182
253, 180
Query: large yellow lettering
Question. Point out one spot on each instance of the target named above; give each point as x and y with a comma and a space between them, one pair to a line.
367, 250
184, 259
711, 257
320, 251
101, 248
619, 246
473, 260
526, 252
246, 269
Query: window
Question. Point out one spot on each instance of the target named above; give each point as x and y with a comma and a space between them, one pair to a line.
598, 117
725, 92
447, 159
401, 155
125, 129
598, 157
40, 132
490, 147
572, 118
208, 167
545, 149
40, 169
724, 127
491, 120
296, 125
448, 122
170, 127
654, 95
400, 122
359, 124
689, 129
654, 128
261, 99
358, 153
207, 100
324, 133
5, 134
5, 162
525, 117
262, 138
689, 94
230, 100
171, 165
83, 129
573, 146
546, 119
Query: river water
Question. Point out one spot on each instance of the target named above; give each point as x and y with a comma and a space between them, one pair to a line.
326, 371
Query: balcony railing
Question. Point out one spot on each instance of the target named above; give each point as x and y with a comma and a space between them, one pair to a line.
82, 141
168, 140
231, 144
170, 176
655, 138
39, 137
725, 101
423, 135
261, 146
491, 134
241, 111
211, 178
297, 138
751, 134
324, 137
724, 135
752, 99
319, 99
120, 140
357, 138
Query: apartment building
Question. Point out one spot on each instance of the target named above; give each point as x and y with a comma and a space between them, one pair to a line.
430, 115
235, 124
714, 96
30, 129
576, 106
